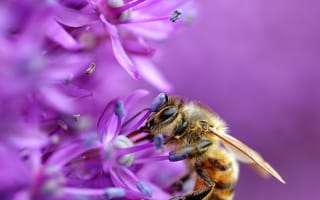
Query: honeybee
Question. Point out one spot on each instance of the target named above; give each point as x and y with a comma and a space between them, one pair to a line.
200, 136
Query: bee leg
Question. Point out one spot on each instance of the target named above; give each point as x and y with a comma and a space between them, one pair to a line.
199, 194
177, 186
189, 151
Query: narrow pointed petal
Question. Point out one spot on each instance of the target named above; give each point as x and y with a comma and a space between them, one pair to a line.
105, 117
151, 74
112, 129
118, 50
56, 99
57, 33
74, 18
157, 30
133, 98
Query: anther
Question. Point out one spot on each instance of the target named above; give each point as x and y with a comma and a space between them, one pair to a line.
91, 69
119, 109
205, 144
176, 15
158, 102
144, 188
158, 141
187, 150
62, 125
173, 156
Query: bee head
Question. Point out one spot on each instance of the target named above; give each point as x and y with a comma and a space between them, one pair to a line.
165, 115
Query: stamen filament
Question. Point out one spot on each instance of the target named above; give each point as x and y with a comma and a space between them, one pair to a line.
66, 154
129, 191
127, 6
145, 116
161, 18
129, 174
142, 147
151, 159
112, 192
84, 191
133, 117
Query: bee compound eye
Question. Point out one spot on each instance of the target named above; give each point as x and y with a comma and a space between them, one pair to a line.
168, 113
159, 101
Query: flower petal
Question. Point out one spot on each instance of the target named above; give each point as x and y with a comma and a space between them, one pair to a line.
68, 152
151, 74
155, 30
118, 50
74, 18
134, 97
14, 173
106, 115
58, 34
56, 99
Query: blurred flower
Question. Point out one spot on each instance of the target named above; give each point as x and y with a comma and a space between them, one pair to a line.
59, 65
104, 162
129, 26
59, 61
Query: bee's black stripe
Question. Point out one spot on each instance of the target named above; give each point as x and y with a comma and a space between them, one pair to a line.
224, 186
199, 194
217, 164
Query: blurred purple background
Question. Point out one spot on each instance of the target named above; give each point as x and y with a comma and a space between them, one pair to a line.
256, 63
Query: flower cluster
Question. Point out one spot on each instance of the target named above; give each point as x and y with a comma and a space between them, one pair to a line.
104, 163
59, 62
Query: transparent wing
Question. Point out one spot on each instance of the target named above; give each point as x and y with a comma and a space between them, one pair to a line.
246, 154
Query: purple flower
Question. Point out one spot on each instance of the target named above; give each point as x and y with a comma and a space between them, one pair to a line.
130, 27
59, 67
103, 162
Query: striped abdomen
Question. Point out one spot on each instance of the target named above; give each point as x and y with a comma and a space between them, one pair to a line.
223, 170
